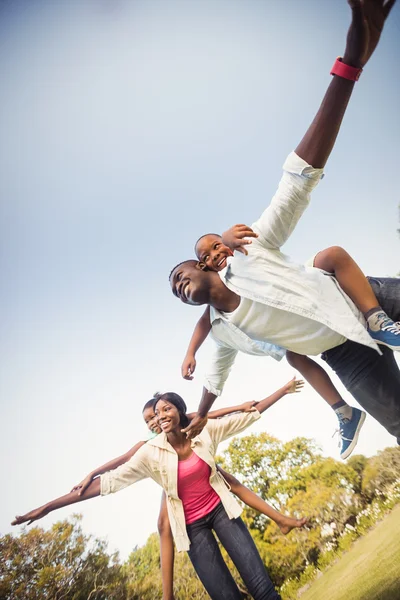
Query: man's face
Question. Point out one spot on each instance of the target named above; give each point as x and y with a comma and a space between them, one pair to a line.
189, 283
212, 252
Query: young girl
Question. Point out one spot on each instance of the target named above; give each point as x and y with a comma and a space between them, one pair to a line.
81, 492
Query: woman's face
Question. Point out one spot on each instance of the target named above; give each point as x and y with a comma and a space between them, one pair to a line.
150, 419
168, 417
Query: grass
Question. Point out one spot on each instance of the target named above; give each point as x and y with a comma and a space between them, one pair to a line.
370, 570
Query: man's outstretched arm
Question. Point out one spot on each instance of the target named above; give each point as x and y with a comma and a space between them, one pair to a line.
303, 169
368, 19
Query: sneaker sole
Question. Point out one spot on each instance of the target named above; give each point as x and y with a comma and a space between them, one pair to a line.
394, 348
353, 444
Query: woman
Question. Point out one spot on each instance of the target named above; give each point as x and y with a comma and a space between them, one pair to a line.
91, 487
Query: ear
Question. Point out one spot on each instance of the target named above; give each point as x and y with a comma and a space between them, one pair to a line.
201, 265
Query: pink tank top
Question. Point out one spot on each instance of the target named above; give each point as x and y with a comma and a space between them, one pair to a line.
194, 489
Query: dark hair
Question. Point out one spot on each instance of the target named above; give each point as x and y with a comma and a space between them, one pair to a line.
203, 236
150, 403
178, 402
190, 260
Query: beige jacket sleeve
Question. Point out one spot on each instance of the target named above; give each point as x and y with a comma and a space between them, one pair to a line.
225, 427
135, 469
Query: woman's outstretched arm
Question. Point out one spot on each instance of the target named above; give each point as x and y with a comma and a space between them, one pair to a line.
91, 491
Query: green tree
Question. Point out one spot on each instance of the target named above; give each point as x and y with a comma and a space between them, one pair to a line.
59, 564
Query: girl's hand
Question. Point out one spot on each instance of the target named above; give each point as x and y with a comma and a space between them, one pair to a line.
236, 238
294, 386
247, 406
188, 367
81, 487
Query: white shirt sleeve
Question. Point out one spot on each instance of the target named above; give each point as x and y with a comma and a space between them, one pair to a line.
225, 427
220, 364
290, 201
135, 469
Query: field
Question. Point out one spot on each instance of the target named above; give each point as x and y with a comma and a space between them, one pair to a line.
369, 571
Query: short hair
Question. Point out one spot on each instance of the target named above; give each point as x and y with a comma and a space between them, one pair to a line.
178, 402
205, 235
150, 403
190, 260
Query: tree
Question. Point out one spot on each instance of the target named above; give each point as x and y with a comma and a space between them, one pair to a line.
59, 564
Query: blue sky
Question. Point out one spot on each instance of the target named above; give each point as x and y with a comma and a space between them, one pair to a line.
128, 130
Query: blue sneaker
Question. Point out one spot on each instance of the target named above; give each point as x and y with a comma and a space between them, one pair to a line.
349, 431
384, 331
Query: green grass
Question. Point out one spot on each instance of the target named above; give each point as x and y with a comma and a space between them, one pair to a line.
370, 570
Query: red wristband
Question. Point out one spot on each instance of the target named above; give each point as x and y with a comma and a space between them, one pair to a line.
342, 70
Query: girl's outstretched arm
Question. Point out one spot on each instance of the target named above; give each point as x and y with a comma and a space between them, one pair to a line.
167, 551
285, 523
88, 488
221, 412
200, 333
91, 491
292, 387
108, 466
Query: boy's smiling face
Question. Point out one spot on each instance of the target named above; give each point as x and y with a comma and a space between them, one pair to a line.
212, 252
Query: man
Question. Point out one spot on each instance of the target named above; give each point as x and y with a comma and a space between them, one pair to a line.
265, 297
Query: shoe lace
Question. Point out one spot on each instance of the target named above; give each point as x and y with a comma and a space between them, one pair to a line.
386, 324
392, 327
339, 433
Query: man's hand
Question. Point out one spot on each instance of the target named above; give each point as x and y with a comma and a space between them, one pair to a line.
195, 427
236, 238
188, 367
81, 487
369, 17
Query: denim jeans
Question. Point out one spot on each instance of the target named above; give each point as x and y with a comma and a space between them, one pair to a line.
373, 380
209, 565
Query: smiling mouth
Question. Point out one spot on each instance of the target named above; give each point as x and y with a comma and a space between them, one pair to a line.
183, 289
221, 262
164, 424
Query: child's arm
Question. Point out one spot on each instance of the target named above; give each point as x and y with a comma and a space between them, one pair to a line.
200, 333
167, 551
108, 466
221, 412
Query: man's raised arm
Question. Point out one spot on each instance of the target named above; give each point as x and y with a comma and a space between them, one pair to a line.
368, 19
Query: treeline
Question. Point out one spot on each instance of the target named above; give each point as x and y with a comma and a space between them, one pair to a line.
341, 501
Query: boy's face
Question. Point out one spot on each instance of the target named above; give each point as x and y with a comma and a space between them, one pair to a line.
150, 419
212, 252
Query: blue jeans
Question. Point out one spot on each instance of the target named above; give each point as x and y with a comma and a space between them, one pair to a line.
373, 380
210, 567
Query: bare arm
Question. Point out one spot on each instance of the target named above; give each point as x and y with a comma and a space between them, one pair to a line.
368, 18
200, 333
221, 412
292, 387
167, 551
108, 466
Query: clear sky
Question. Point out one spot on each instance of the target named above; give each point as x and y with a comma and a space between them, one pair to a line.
128, 130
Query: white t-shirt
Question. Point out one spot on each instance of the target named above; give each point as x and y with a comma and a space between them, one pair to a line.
289, 330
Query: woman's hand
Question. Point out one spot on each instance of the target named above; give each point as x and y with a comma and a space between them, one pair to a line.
294, 386
236, 238
368, 19
84, 484
188, 367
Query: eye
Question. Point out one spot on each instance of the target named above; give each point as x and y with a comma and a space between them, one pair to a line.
206, 257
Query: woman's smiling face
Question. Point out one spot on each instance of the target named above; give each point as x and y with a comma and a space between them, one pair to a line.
167, 415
